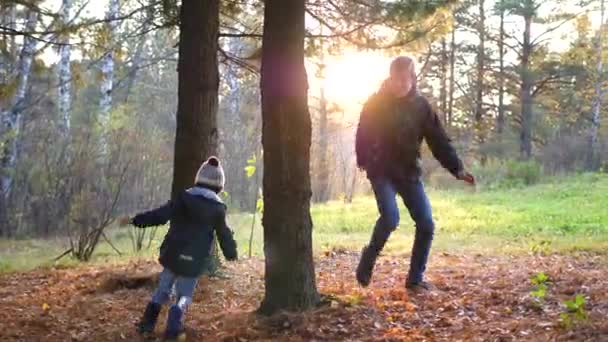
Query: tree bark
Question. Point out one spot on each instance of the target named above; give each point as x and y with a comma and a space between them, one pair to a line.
65, 74
286, 138
591, 162
137, 55
479, 110
196, 133
11, 118
526, 92
107, 73
450, 113
443, 90
321, 194
500, 120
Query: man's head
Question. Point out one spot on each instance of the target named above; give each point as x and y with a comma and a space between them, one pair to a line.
402, 78
211, 175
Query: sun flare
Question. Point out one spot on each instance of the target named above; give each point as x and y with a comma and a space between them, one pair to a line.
350, 79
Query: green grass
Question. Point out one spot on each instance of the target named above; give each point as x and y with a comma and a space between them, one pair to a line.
561, 215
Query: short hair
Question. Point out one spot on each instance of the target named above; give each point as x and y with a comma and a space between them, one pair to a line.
402, 63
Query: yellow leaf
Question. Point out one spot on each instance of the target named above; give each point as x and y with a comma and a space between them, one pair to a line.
46, 307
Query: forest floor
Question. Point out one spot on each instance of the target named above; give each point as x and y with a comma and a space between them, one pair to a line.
478, 298
508, 264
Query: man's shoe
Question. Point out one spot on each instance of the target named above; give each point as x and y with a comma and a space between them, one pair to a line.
420, 286
366, 266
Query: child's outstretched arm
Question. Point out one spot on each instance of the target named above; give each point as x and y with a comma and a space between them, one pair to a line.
155, 217
226, 239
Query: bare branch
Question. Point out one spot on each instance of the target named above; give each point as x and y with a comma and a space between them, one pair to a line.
536, 41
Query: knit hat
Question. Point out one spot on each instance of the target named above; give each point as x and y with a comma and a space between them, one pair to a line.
211, 175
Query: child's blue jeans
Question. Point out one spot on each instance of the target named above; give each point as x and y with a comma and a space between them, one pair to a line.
184, 289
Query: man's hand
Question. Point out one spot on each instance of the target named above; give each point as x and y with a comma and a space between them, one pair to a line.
124, 220
466, 177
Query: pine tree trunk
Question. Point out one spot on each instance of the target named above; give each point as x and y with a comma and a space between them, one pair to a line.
591, 163
65, 74
500, 120
526, 93
107, 71
196, 133
286, 138
450, 114
11, 117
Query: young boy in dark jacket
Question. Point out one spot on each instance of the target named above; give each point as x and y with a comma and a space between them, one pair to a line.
195, 215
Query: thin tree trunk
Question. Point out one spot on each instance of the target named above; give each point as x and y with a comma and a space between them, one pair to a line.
286, 138
597, 102
450, 114
7, 13
107, 70
526, 93
321, 186
322, 191
500, 121
11, 118
65, 74
443, 90
137, 56
350, 194
479, 110
255, 209
196, 135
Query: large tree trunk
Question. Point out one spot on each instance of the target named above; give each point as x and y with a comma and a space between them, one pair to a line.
481, 57
597, 101
286, 134
196, 133
450, 114
526, 93
107, 71
500, 120
65, 75
11, 117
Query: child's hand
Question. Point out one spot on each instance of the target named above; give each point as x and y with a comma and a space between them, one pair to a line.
124, 220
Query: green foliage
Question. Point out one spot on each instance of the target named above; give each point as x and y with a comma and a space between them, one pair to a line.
524, 172
259, 205
494, 221
541, 247
251, 166
540, 281
500, 174
574, 311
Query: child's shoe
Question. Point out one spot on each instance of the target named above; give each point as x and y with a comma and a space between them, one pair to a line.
148, 322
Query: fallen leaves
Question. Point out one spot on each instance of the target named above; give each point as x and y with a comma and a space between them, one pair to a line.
478, 298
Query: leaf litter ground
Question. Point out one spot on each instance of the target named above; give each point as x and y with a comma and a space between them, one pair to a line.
478, 298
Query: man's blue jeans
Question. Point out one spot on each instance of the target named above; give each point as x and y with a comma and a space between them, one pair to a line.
416, 201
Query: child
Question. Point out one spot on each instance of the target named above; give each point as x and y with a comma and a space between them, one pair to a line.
194, 214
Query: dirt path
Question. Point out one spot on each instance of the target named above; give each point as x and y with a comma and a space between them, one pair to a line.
479, 298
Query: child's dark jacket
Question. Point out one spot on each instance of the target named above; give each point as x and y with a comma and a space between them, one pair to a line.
194, 214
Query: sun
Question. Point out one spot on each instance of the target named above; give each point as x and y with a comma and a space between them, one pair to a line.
350, 79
